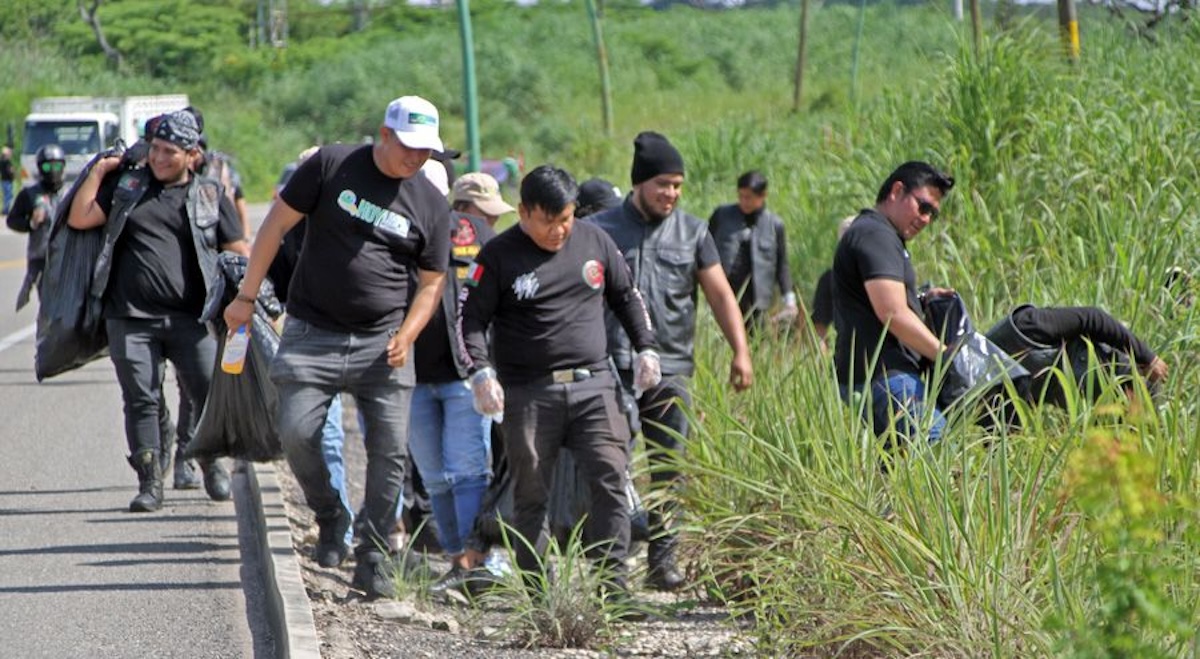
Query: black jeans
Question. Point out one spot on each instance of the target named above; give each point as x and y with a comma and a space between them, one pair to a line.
584, 416
139, 349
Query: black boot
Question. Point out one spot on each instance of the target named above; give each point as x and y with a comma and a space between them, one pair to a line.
185, 476
150, 487
216, 479
664, 574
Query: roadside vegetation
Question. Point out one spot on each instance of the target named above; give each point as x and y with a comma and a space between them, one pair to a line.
1076, 184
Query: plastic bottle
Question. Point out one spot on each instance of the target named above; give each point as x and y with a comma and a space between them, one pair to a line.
234, 357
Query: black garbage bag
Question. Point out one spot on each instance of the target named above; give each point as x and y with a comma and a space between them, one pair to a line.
70, 331
240, 415
975, 365
239, 418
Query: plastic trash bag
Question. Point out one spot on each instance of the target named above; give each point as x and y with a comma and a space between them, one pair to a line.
976, 365
240, 415
70, 332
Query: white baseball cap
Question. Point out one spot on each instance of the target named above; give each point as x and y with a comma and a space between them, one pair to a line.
415, 122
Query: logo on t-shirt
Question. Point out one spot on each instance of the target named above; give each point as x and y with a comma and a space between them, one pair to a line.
526, 286
365, 211
464, 234
593, 274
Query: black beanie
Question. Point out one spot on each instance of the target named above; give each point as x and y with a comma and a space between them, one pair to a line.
653, 155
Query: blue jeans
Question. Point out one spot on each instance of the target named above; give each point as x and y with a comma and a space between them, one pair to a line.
451, 446
897, 402
8, 195
333, 437
311, 367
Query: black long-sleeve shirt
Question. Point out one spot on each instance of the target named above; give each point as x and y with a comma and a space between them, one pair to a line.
1055, 325
546, 309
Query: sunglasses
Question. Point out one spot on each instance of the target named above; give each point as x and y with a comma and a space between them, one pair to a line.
926, 208
52, 166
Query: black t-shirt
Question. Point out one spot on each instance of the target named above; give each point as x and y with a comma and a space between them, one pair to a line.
822, 306
433, 358
870, 249
155, 271
546, 309
1057, 325
366, 236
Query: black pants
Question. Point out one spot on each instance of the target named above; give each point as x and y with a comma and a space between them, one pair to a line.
139, 349
664, 425
584, 416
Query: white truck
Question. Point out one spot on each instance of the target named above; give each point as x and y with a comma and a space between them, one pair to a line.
85, 125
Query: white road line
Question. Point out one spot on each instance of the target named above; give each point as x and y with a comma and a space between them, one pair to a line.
17, 337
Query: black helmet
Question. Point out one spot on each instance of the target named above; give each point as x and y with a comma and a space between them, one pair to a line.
51, 161
50, 152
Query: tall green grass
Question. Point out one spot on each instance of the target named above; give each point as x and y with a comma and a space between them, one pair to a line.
1073, 536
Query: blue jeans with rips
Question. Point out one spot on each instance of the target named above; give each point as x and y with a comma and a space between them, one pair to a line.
898, 402
451, 447
312, 366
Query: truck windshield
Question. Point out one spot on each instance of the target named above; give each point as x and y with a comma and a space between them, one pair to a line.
75, 137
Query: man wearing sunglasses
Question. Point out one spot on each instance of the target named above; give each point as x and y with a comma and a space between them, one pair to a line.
33, 213
883, 344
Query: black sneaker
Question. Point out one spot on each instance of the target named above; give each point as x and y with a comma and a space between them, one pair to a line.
373, 576
331, 540
472, 582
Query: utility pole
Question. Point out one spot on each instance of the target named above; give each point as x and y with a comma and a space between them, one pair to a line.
602, 61
1068, 24
469, 93
801, 57
976, 25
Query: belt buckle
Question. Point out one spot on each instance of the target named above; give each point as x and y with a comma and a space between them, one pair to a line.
565, 376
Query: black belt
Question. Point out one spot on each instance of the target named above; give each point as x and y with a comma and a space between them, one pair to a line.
567, 375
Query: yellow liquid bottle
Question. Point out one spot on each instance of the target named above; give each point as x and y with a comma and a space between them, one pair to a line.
234, 357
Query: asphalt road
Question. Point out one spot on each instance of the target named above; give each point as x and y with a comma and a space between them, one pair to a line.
79, 575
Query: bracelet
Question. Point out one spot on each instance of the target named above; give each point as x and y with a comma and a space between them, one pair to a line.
242, 297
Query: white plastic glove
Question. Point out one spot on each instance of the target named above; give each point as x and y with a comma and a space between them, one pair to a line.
789, 313
647, 372
489, 395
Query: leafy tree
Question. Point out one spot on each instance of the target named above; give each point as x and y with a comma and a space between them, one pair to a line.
32, 20
170, 39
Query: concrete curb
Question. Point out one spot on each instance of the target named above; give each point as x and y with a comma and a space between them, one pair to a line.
289, 610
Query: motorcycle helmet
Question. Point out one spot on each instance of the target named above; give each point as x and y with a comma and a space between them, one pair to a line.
51, 161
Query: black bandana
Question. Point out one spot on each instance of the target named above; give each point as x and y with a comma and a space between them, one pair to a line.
180, 129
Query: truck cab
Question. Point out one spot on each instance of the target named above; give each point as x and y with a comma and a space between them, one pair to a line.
81, 137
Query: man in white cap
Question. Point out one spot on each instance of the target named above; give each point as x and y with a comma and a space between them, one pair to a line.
373, 223
478, 194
